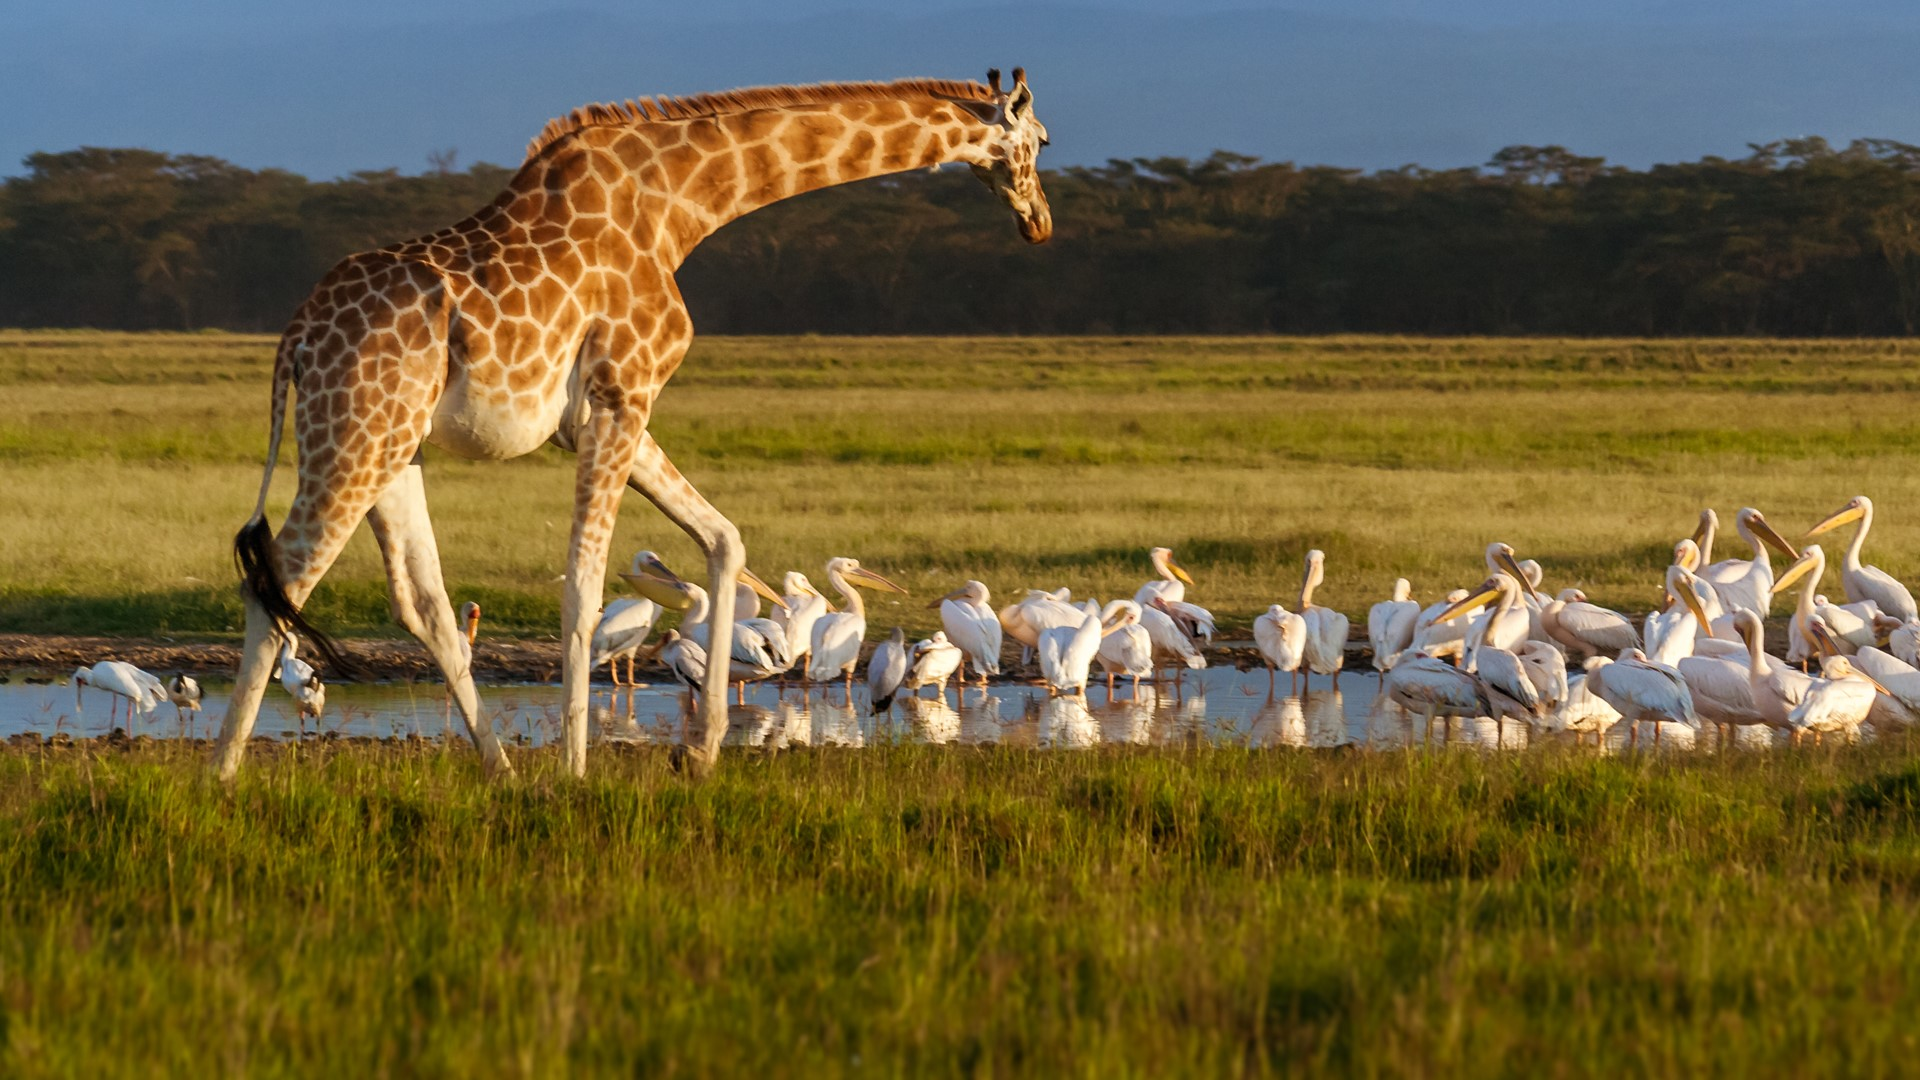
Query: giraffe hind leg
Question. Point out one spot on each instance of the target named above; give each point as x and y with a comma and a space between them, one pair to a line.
404, 532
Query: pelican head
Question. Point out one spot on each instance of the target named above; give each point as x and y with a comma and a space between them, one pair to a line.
973, 592
1812, 560
853, 573
1163, 562
1680, 585
1686, 554
1501, 559
1489, 589
1402, 590
1754, 522
1572, 596
1709, 525
1857, 507
1836, 667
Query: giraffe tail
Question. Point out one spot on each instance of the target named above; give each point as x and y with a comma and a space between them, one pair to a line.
252, 545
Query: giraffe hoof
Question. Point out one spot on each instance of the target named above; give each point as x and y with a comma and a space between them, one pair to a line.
689, 762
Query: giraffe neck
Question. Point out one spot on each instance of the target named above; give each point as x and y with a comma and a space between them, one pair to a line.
719, 168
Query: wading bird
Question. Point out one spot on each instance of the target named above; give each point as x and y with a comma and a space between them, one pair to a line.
1171, 590
1281, 637
1172, 643
622, 630
1867, 582
141, 691
805, 605
1431, 688
838, 635
1505, 627
1067, 652
1642, 692
935, 661
301, 682
752, 653
1326, 648
184, 692
1390, 625
1744, 583
1126, 650
685, 660
1849, 629
887, 671
1576, 624
972, 626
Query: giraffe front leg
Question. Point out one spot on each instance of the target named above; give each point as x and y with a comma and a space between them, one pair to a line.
655, 477
606, 446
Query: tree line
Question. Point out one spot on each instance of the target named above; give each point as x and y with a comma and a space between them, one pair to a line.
1799, 237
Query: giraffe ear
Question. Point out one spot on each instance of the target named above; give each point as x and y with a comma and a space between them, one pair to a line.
984, 111
1020, 102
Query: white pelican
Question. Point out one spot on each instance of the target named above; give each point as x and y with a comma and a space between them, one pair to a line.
1171, 589
887, 671
1281, 637
1867, 582
1671, 633
1583, 712
1389, 625
1838, 702
1326, 650
1640, 691
1508, 687
972, 626
1170, 638
837, 635
805, 605
184, 692
1746, 583
143, 692
1441, 639
1546, 668
685, 660
935, 660
751, 656
1902, 683
1595, 630
1904, 642
300, 681
622, 630
1722, 691
1127, 649
1428, 687
1067, 652
1026, 619
1503, 628
1777, 689
746, 617
1849, 630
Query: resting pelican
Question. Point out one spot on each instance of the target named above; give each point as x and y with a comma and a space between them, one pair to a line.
886, 670
1067, 652
1439, 639
1507, 686
1583, 712
837, 635
1838, 702
1390, 625
1506, 626
1546, 668
143, 692
1128, 649
1867, 582
1746, 583
1902, 681
1170, 638
1904, 642
1281, 637
1849, 630
184, 692
685, 660
1640, 691
1595, 630
752, 655
1171, 589
805, 605
299, 679
1777, 688
935, 660
1671, 633
746, 617
972, 626
1326, 650
622, 630
1040, 611
1429, 687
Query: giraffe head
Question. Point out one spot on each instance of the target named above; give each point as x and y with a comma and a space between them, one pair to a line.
1008, 160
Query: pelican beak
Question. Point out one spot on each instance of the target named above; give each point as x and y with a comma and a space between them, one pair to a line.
764, 590
1471, 603
668, 592
1693, 605
1876, 682
1847, 513
1767, 533
954, 595
865, 576
1801, 568
1506, 561
1824, 637
1699, 535
1178, 571
1688, 557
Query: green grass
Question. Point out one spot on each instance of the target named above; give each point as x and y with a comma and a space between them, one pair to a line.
916, 911
131, 459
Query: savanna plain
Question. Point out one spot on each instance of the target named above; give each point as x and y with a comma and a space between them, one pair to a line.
356, 909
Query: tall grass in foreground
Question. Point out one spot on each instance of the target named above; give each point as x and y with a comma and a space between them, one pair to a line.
908, 910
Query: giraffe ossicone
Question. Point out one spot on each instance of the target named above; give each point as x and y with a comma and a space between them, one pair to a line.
551, 315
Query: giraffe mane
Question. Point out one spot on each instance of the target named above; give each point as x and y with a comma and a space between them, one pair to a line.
665, 107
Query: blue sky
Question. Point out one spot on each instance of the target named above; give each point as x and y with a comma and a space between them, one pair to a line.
330, 88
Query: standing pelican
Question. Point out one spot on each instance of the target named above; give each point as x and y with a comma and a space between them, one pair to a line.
1506, 626
1127, 649
1849, 629
1039, 611
935, 660
746, 618
1867, 582
1438, 638
1837, 703
1421, 684
1640, 691
1390, 625
143, 692
1595, 630
886, 670
805, 605
1067, 652
1546, 668
300, 681
1582, 711
1747, 583
1671, 633
1171, 589
684, 659
1777, 689
1170, 638
970, 623
1326, 650
622, 630
752, 654
1281, 637
837, 635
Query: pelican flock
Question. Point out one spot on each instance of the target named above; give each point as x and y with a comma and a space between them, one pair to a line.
1503, 651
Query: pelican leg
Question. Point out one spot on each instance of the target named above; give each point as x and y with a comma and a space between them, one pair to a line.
1270, 682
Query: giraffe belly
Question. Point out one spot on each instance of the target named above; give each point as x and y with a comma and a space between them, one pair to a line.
476, 424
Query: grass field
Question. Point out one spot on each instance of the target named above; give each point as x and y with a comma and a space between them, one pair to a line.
942, 911
131, 459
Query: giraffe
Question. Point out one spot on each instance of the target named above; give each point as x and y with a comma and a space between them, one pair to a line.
552, 315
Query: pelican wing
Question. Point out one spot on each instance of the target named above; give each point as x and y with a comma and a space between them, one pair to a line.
1720, 688
1198, 621
836, 645
623, 628
1502, 671
886, 671
1167, 637
975, 631
1129, 651
1602, 629
1875, 584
